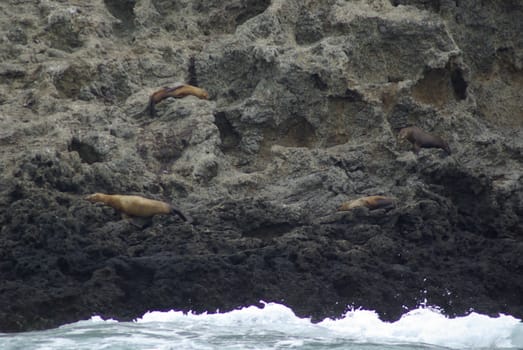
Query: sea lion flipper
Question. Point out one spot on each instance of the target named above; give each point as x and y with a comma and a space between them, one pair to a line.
150, 108
384, 203
190, 220
179, 213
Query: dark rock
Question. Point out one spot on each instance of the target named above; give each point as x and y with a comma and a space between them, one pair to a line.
306, 99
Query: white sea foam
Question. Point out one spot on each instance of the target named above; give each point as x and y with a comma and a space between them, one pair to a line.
423, 325
429, 326
276, 327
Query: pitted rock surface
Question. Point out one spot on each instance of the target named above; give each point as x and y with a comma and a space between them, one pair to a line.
306, 100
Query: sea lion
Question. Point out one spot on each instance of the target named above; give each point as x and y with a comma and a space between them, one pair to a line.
178, 90
421, 139
135, 205
371, 202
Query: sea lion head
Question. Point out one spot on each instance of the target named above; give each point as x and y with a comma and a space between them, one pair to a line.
95, 197
403, 134
201, 93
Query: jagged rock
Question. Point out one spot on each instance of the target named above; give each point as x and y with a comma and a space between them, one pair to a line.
306, 100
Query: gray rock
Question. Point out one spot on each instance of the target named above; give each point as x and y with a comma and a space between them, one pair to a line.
306, 100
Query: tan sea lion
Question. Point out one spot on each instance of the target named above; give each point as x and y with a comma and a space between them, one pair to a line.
371, 202
179, 90
421, 139
135, 205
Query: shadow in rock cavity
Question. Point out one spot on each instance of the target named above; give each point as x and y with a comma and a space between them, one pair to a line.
124, 11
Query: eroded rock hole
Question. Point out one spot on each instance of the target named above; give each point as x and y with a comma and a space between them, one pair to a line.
193, 80
353, 96
230, 137
319, 83
71, 81
439, 86
124, 11
88, 154
269, 231
299, 133
434, 5
63, 34
433, 88
459, 84
252, 9
294, 132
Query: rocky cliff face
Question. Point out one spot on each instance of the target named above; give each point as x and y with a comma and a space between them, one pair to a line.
307, 97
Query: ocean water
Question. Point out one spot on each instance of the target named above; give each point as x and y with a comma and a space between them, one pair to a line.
276, 327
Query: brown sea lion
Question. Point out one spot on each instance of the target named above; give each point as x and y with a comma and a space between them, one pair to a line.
421, 139
179, 90
371, 202
135, 205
